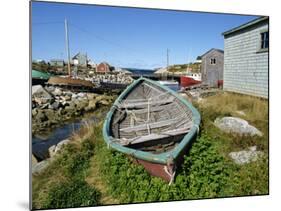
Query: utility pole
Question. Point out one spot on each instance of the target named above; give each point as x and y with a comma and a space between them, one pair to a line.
167, 63
67, 46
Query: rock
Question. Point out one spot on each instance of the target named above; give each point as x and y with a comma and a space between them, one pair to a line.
91, 106
100, 97
81, 95
68, 93
50, 89
74, 96
54, 105
34, 160
91, 96
61, 144
39, 92
104, 102
39, 167
52, 151
246, 156
41, 117
69, 111
236, 125
67, 97
57, 92
34, 112
81, 104
50, 114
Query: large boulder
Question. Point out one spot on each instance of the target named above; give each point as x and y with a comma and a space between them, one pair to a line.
39, 92
236, 125
246, 156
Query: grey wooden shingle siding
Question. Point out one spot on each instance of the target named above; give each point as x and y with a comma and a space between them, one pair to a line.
245, 67
212, 73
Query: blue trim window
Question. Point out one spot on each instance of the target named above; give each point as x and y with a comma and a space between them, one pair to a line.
264, 40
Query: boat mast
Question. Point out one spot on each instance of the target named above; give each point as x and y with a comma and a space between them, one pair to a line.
167, 62
67, 46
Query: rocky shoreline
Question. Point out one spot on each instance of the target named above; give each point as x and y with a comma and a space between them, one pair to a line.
52, 106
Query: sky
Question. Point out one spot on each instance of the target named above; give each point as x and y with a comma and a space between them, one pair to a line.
127, 37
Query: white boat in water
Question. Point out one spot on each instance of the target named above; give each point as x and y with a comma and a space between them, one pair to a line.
169, 83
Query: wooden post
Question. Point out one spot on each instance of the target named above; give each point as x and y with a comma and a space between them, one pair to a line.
67, 47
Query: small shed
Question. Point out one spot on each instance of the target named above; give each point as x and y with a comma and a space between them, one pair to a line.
212, 67
80, 59
104, 68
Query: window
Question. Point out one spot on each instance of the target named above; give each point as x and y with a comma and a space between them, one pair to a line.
213, 61
264, 40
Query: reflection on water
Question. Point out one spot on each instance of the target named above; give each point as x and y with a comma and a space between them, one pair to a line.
41, 142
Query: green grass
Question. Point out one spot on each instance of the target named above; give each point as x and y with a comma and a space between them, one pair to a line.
88, 173
63, 183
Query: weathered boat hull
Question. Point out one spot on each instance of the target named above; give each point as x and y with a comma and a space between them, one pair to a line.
186, 81
165, 163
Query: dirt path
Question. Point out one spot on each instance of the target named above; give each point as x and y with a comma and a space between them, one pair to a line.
94, 179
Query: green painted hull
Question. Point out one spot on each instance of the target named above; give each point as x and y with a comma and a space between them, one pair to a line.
40, 75
146, 156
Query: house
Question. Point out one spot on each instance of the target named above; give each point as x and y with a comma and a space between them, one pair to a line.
198, 60
246, 58
104, 68
212, 67
80, 59
57, 62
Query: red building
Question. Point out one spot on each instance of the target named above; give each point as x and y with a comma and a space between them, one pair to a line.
103, 68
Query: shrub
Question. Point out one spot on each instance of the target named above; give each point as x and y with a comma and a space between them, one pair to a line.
72, 193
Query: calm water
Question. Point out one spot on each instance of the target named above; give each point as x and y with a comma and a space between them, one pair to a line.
151, 72
41, 142
141, 71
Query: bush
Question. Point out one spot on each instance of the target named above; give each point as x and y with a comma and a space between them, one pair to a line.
72, 193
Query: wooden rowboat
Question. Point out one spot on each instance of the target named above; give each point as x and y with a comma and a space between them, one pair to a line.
152, 124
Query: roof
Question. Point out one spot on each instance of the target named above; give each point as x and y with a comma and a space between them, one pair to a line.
76, 55
246, 25
212, 49
105, 63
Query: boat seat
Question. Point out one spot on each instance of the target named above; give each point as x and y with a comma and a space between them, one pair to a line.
151, 125
154, 136
144, 104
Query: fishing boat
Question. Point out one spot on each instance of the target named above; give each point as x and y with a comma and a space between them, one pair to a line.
152, 124
190, 80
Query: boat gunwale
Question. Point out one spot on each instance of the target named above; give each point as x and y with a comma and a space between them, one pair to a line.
147, 156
